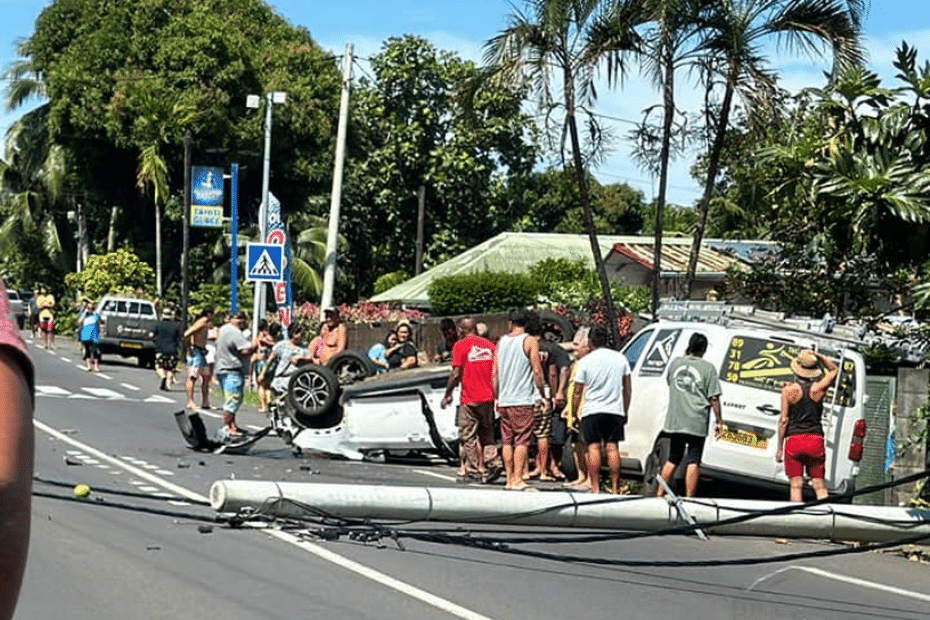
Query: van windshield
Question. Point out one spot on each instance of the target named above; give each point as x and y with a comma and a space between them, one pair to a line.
766, 364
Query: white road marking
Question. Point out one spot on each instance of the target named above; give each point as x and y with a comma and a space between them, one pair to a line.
379, 577
104, 393
435, 475
64, 359
846, 579
141, 473
324, 554
104, 376
155, 398
51, 390
129, 386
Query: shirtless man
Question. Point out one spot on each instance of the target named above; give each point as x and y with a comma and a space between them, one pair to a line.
331, 340
195, 339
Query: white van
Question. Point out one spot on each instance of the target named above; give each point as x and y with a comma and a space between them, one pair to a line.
752, 355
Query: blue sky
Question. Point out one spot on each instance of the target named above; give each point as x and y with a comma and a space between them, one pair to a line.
464, 26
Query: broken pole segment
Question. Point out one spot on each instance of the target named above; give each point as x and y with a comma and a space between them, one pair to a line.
839, 522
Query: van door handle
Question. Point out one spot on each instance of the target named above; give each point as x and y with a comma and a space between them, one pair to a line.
769, 410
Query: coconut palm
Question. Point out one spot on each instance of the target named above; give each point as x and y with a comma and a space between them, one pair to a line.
733, 34
558, 47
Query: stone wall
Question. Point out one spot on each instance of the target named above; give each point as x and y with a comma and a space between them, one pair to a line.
913, 388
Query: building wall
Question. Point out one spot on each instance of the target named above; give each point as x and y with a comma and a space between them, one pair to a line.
913, 388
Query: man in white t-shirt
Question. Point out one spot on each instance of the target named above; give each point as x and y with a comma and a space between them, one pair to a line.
603, 379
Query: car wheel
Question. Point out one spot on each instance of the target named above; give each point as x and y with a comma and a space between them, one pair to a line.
653, 465
556, 328
567, 464
312, 391
351, 367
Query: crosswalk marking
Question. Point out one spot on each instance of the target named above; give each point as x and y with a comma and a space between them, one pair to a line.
103, 392
97, 393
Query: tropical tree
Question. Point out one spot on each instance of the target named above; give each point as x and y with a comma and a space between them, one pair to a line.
559, 46
731, 54
420, 128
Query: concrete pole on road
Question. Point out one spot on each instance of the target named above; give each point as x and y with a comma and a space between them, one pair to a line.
332, 235
840, 522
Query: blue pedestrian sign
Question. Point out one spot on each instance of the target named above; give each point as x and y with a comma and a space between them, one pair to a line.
264, 262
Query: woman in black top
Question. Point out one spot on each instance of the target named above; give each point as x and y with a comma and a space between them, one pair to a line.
402, 355
800, 433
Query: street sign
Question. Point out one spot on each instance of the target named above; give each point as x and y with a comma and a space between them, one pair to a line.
206, 196
264, 262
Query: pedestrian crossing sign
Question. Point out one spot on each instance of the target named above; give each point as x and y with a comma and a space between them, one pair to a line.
265, 262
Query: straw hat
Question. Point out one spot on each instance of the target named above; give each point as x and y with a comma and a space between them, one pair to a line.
806, 365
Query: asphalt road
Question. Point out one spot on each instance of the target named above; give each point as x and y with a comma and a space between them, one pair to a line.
144, 546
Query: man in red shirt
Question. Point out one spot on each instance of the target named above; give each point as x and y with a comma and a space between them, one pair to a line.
472, 361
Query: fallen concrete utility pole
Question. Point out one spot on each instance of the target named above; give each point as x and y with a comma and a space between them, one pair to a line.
840, 522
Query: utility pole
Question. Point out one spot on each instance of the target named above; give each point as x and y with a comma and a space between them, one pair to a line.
185, 285
271, 98
332, 235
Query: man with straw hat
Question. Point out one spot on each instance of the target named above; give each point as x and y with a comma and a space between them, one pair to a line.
800, 432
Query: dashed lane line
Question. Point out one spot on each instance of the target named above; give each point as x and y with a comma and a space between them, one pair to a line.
324, 554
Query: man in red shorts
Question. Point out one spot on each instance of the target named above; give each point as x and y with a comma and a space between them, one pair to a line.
472, 364
800, 433
517, 381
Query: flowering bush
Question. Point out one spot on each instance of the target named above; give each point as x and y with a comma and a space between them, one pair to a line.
307, 315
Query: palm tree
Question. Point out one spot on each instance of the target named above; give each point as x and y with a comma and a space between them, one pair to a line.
561, 46
733, 33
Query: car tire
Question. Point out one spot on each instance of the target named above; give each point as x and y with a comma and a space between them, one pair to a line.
351, 367
193, 430
567, 464
653, 465
555, 327
311, 392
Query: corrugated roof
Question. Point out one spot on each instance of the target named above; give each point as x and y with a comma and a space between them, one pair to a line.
676, 252
516, 252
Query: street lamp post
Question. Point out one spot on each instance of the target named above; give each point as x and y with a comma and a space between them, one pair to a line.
252, 101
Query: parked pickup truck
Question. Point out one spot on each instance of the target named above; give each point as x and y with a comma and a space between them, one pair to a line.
126, 325
18, 306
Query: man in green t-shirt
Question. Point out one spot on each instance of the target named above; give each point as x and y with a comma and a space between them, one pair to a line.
693, 390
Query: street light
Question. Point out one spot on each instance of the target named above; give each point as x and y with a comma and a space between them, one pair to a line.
252, 101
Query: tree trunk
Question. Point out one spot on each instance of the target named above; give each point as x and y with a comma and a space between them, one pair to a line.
158, 250
713, 164
592, 233
111, 235
668, 103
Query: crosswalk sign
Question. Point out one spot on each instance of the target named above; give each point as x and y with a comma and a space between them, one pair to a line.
264, 262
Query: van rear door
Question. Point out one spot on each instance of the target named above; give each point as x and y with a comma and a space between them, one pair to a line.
753, 369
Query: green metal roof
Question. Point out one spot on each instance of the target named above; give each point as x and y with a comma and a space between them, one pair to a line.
509, 251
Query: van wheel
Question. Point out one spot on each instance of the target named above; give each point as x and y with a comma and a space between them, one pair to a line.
653, 465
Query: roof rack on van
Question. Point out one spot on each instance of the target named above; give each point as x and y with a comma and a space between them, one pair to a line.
734, 314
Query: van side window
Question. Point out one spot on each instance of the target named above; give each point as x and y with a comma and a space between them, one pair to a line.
121, 306
660, 353
766, 364
637, 346
133, 307
147, 310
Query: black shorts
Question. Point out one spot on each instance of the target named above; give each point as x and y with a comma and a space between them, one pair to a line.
676, 450
598, 427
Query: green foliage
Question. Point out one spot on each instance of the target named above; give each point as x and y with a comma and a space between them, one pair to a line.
481, 292
421, 122
634, 299
389, 280
116, 273
218, 297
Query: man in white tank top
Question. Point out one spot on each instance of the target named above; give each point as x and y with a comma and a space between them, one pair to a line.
517, 381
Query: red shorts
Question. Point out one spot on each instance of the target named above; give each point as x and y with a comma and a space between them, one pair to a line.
47, 325
517, 425
805, 452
